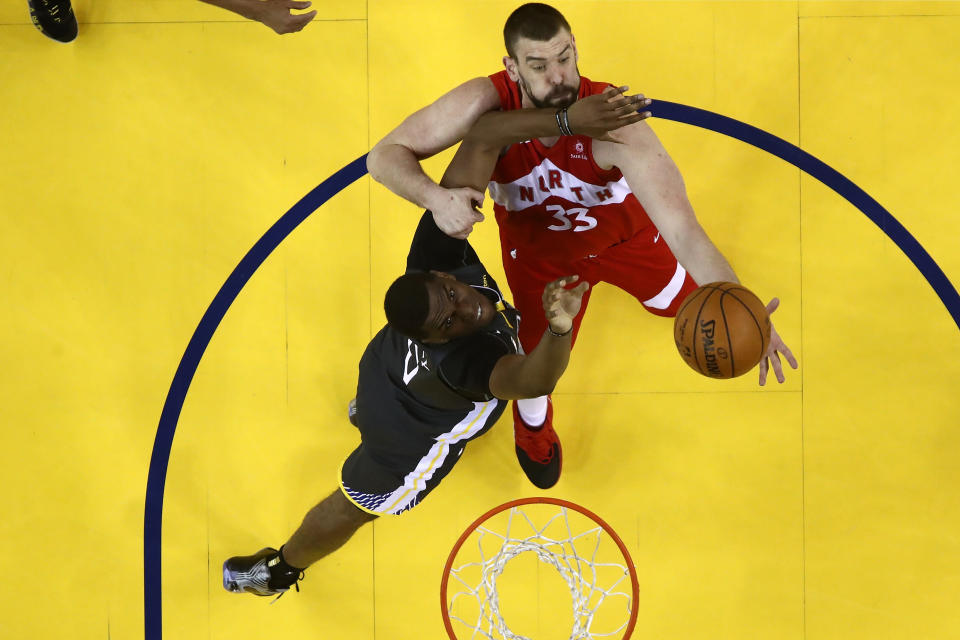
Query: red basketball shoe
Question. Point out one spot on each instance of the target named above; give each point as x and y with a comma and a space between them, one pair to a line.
538, 449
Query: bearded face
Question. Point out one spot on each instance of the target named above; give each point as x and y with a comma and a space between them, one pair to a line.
556, 97
546, 70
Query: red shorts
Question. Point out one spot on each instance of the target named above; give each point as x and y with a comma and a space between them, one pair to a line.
643, 266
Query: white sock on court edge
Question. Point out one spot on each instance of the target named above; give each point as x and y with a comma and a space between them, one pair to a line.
533, 410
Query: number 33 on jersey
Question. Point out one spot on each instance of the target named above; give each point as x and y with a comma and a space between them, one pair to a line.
558, 204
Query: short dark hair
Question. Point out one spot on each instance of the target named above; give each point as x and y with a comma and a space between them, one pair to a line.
407, 303
534, 21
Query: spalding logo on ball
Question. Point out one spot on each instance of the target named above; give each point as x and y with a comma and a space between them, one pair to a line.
722, 330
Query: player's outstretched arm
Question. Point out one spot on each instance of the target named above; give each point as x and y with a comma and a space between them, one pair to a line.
276, 14
476, 157
394, 162
656, 182
536, 374
593, 116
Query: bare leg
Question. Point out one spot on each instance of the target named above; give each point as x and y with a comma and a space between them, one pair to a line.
325, 529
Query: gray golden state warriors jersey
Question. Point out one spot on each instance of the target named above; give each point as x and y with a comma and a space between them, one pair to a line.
405, 385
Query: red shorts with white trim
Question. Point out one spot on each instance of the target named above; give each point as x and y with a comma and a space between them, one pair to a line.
643, 266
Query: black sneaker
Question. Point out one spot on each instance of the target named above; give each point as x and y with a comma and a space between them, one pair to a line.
261, 574
54, 18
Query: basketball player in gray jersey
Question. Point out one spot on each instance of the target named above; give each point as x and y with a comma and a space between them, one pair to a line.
440, 373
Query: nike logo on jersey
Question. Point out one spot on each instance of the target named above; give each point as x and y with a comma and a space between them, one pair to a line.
657, 237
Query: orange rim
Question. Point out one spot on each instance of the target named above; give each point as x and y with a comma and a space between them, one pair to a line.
635, 585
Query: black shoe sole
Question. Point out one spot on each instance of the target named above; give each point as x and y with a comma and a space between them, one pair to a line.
63, 31
543, 476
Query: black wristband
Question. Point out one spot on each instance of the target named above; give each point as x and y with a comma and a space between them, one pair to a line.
566, 121
563, 123
559, 335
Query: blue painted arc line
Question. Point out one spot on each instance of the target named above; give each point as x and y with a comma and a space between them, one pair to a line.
153, 512
828, 176
153, 508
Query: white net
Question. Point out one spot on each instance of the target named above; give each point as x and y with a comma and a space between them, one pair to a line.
579, 549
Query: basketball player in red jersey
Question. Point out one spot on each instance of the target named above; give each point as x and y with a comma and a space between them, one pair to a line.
610, 210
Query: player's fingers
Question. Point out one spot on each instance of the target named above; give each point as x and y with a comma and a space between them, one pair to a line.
476, 196
777, 366
633, 117
631, 105
551, 286
639, 106
622, 100
763, 371
302, 20
551, 296
772, 305
613, 92
788, 355
296, 4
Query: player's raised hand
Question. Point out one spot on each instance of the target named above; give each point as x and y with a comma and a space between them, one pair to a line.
455, 213
774, 349
562, 305
597, 115
277, 15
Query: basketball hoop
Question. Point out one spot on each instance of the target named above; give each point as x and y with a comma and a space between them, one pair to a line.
585, 551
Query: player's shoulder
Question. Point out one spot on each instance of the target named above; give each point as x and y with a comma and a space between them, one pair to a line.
507, 91
590, 87
488, 344
480, 93
468, 99
634, 141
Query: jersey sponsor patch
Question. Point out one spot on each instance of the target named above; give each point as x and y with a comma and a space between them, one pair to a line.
578, 152
546, 180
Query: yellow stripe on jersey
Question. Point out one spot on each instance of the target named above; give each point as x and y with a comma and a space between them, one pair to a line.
439, 457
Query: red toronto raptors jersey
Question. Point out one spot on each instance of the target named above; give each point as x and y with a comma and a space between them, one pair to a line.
555, 201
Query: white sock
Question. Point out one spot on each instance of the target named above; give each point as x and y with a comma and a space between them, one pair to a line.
533, 410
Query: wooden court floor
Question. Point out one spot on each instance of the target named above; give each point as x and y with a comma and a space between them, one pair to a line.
141, 162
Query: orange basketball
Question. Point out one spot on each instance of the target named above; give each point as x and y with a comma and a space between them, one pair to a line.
722, 330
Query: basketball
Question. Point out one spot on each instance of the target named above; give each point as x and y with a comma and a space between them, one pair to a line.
722, 330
